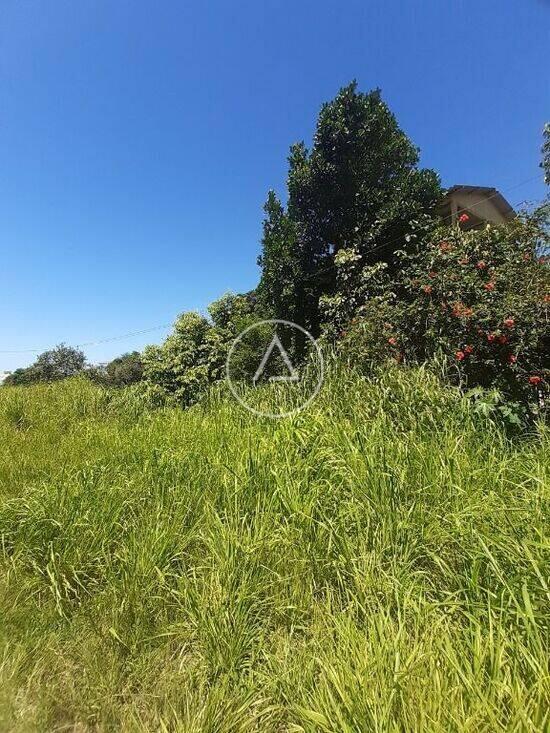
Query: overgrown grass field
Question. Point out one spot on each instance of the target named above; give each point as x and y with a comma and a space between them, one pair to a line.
377, 563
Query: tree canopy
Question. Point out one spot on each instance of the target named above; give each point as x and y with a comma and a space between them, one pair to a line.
358, 188
58, 363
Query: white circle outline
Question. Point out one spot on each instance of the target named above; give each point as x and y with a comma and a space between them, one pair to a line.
296, 410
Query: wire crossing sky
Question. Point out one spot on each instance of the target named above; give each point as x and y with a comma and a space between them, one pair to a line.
138, 140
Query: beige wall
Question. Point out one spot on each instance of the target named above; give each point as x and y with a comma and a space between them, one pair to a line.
482, 207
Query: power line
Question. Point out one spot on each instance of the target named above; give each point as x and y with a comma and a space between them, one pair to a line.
308, 277
124, 335
93, 343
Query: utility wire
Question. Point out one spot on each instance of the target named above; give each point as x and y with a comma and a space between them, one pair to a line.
94, 343
308, 277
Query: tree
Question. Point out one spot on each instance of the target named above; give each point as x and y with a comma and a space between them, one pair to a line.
234, 312
358, 189
194, 356
181, 365
120, 372
59, 363
545, 164
126, 369
20, 377
278, 290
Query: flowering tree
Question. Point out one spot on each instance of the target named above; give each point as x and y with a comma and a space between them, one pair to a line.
480, 297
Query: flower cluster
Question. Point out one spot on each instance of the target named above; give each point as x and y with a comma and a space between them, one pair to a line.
478, 296
487, 292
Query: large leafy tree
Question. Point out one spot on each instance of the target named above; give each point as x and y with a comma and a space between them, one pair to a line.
358, 188
58, 363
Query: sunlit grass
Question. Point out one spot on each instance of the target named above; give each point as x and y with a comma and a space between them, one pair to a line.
378, 562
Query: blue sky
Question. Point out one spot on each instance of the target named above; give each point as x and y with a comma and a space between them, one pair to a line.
138, 139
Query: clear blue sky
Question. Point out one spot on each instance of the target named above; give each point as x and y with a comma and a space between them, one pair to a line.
138, 139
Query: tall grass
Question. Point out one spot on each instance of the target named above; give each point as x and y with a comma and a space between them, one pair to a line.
376, 563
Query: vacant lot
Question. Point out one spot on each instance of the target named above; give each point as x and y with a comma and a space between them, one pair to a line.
377, 563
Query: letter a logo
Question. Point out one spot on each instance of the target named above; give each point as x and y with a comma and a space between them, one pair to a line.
292, 375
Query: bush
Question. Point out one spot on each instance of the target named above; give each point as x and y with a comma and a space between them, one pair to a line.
193, 357
120, 372
480, 298
20, 378
183, 365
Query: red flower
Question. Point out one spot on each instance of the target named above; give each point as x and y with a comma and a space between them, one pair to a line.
392, 341
463, 218
535, 380
445, 247
546, 299
503, 339
491, 337
481, 265
468, 349
427, 289
460, 355
489, 286
462, 311
509, 322
512, 358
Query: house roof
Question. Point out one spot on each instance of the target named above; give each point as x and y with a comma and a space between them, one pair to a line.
486, 192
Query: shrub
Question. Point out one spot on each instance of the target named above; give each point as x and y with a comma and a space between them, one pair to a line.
184, 363
193, 357
480, 298
120, 372
20, 378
